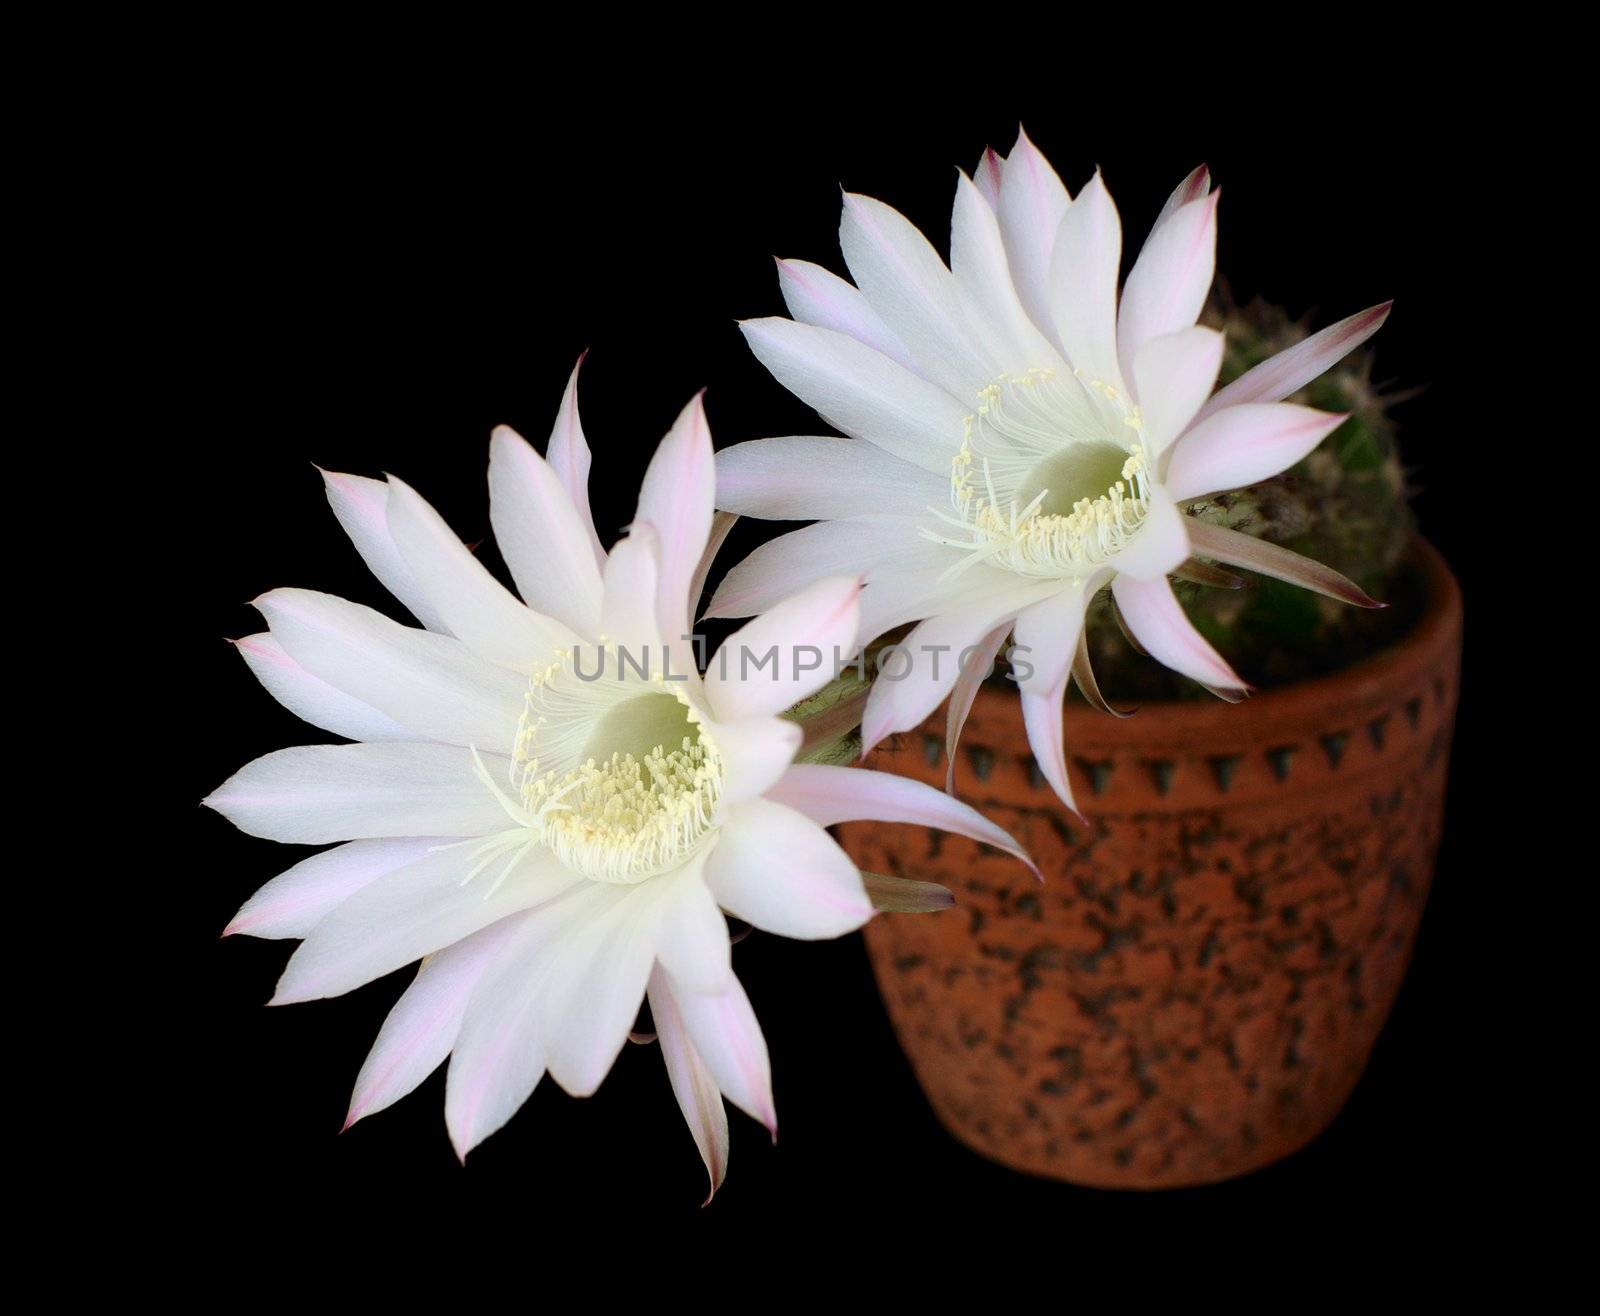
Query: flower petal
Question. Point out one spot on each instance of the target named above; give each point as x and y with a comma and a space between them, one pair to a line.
861, 391
788, 564
362, 508
411, 913
1032, 204
1083, 284
905, 693
1173, 375
1274, 560
986, 177
568, 455
312, 699
478, 609
628, 615
1170, 280
819, 297
802, 479
596, 986
775, 868
721, 524
1196, 184
547, 544
1161, 543
692, 937
983, 277
699, 1097
802, 641
1050, 631
755, 751
1152, 612
676, 498
295, 901
431, 683
419, 1031
908, 286
499, 1054
973, 674
1295, 367
1237, 447
724, 1031
828, 794
313, 794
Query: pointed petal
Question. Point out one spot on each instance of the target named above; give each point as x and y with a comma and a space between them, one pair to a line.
692, 942
1050, 631
1194, 186
479, 610
499, 1053
295, 901
1083, 677
1197, 572
973, 674
628, 614
915, 680
776, 869
431, 683
983, 277
906, 895
596, 986
568, 455
362, 508
1083, 284
699, 1097
313, 794
1237, 447
819, 297
721, 524
1291, 370
803, 479
724, 1031
412, 912
1174, 375
676, 498
788, 564
1276, 561
1041, 717
861, 391
827, 795
419, 1031
787, 653
1162, 542
909, 287
1171, 279
547, 544
986, 177
1153, 614
312, 699
1032, 204
756, 751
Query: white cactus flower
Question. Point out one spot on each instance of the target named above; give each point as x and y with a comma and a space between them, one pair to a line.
545, 801
1020, 438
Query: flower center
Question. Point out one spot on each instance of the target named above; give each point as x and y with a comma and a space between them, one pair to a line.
615, 774
1051, 478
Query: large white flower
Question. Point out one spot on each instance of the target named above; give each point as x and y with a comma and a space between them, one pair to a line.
547, 803
1021, 439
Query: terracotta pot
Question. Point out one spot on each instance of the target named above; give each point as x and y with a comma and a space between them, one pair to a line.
1195, 988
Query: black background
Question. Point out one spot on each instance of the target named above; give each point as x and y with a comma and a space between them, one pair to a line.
384, 273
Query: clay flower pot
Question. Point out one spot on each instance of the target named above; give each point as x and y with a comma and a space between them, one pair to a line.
1195, 988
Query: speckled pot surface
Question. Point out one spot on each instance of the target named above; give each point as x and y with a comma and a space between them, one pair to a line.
1195, 988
